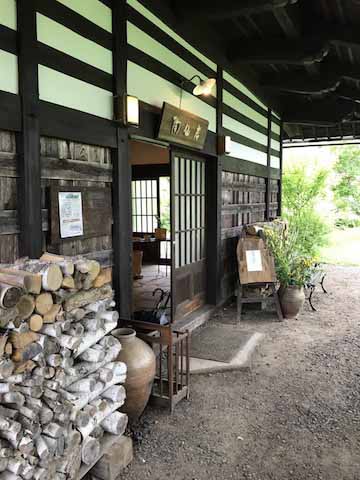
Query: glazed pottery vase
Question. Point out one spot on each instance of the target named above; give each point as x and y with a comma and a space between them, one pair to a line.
292, 299
141, 363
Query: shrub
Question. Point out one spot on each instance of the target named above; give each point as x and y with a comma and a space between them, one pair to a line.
301, 191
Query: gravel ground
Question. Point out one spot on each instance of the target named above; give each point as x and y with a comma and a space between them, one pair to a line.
293, 415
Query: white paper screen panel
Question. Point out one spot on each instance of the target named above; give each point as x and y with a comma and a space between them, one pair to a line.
275, 128
155, 90
144, 42
237, 127
246, 153
275, 162
93, 10
65, 40
160, 24
61, 89
243, 108
8, 13
9, 82
275, 145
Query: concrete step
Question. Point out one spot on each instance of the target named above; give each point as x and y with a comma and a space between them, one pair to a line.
241, 360
195, 319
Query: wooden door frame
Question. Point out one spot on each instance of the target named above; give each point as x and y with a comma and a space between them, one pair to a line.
175, 150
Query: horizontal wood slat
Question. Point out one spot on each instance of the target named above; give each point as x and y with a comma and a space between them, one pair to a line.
73, 67
69, 124
8, 39
159, 35
76, 22
149, 63
10, 112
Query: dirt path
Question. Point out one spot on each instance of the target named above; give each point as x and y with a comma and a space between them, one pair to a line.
295, 415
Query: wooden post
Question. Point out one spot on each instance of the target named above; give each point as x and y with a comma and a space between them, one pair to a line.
281, 170
122, 228
213, 199
268, 179
28, 141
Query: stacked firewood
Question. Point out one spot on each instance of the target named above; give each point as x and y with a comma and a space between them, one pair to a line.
60, 383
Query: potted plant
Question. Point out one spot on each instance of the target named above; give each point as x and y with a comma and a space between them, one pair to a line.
293, 268
161, 231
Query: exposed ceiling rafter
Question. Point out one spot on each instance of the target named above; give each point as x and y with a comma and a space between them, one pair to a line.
277, 51
231, 8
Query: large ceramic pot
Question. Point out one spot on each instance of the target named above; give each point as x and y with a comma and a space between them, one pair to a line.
292, 299
141, 363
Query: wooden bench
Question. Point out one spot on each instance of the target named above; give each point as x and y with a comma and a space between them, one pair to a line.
317, 278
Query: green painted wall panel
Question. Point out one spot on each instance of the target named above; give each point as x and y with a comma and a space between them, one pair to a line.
61, 38
235, 83
8, 13
275, 162
247, 153
142, 41
244, 109
275, 128
56, 87
275, 144
154, 90
244, 130
93, 10
9, 72
150, 16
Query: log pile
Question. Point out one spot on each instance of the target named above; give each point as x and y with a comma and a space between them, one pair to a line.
60, 383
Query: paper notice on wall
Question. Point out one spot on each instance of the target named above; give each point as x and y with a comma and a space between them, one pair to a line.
70, 214
253, 261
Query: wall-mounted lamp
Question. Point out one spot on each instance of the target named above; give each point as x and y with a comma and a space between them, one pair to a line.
204, 87
224, 145
127, 110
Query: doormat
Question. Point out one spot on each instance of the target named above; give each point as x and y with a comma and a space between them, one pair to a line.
218, 342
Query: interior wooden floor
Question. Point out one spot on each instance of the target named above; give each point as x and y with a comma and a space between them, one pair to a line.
153, 276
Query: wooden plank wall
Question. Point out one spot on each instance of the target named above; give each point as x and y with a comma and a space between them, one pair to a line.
65, 163
243, 202
9, 247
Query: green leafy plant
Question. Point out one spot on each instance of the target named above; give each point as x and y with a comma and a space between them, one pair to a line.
344, 223
292, 267
301, 192
347, 189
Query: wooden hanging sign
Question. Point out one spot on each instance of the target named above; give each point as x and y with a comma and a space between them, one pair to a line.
184, 128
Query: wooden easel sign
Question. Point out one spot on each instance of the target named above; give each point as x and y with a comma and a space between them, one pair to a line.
255, 263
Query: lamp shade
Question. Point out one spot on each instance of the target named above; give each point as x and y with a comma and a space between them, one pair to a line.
132, 111
205, 87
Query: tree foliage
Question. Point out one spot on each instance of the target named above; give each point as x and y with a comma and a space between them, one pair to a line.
347, 188
301, 192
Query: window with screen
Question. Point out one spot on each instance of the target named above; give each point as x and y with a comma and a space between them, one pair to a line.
145, 208
189, 195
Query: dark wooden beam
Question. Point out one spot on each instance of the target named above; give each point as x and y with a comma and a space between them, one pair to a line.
28, 141
230, 8
301, 83
268, 162
317, 112
290, 21
122, 227
348, 93
281, 169
276, 51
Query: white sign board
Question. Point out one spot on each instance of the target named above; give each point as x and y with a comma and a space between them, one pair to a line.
253, 261
70, 214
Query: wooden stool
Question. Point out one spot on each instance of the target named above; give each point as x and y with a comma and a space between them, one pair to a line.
258, 299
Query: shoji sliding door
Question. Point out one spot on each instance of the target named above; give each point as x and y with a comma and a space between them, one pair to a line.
189, 230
